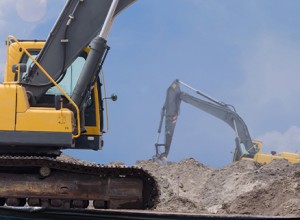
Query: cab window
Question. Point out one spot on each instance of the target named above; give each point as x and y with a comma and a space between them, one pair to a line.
69, 81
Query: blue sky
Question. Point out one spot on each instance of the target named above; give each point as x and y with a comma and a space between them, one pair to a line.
245, 53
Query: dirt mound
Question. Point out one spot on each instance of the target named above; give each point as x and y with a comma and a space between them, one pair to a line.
243, 187
279, 196
179, 182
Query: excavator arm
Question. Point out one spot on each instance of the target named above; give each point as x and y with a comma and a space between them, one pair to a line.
224, 112
78, 26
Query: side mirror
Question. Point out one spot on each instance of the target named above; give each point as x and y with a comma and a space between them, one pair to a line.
113, 97
19, 68
273, 153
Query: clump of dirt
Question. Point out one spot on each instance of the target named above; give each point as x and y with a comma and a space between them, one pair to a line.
243, 187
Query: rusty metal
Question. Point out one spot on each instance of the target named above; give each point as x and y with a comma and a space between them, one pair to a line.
73, 184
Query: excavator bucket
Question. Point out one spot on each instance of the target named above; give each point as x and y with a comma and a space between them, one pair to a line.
161, 160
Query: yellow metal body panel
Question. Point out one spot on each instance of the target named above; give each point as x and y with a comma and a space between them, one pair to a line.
268, 158
41, 119
289, 155
14, 55
16, 115
22, 100
7, 107
95, 130
45, 120
263, 158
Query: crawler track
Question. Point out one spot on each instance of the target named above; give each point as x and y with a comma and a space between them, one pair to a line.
50, 182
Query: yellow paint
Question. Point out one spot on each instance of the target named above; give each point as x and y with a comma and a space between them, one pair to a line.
268, 158
45, 120
22, 100
96, 129
289, 155
16, 115
91, 130
263, 158
7, 107
14, 56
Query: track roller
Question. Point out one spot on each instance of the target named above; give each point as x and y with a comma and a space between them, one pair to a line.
15, 202
80, 204
34, 202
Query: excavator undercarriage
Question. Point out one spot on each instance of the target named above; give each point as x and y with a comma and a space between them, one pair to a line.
51, 182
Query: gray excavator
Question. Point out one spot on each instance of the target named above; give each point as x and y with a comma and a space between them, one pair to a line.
227, 113
245, 147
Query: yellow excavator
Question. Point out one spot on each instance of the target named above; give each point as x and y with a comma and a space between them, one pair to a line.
246, 148
51, 99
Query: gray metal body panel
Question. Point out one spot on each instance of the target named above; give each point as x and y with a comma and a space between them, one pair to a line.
219, 110
91, 142
22, 141
55, 139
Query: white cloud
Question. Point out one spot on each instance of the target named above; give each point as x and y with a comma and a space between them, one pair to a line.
288, 141
271, 89
31, 10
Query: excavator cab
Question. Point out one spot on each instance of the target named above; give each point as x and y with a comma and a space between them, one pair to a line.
57, 103
53, 98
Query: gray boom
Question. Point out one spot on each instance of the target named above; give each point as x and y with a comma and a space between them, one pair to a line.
218, 109
79, 23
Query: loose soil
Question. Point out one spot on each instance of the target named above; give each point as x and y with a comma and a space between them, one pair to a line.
243, 187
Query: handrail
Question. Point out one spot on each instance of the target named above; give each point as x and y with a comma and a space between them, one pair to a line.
52, 80
106, 105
